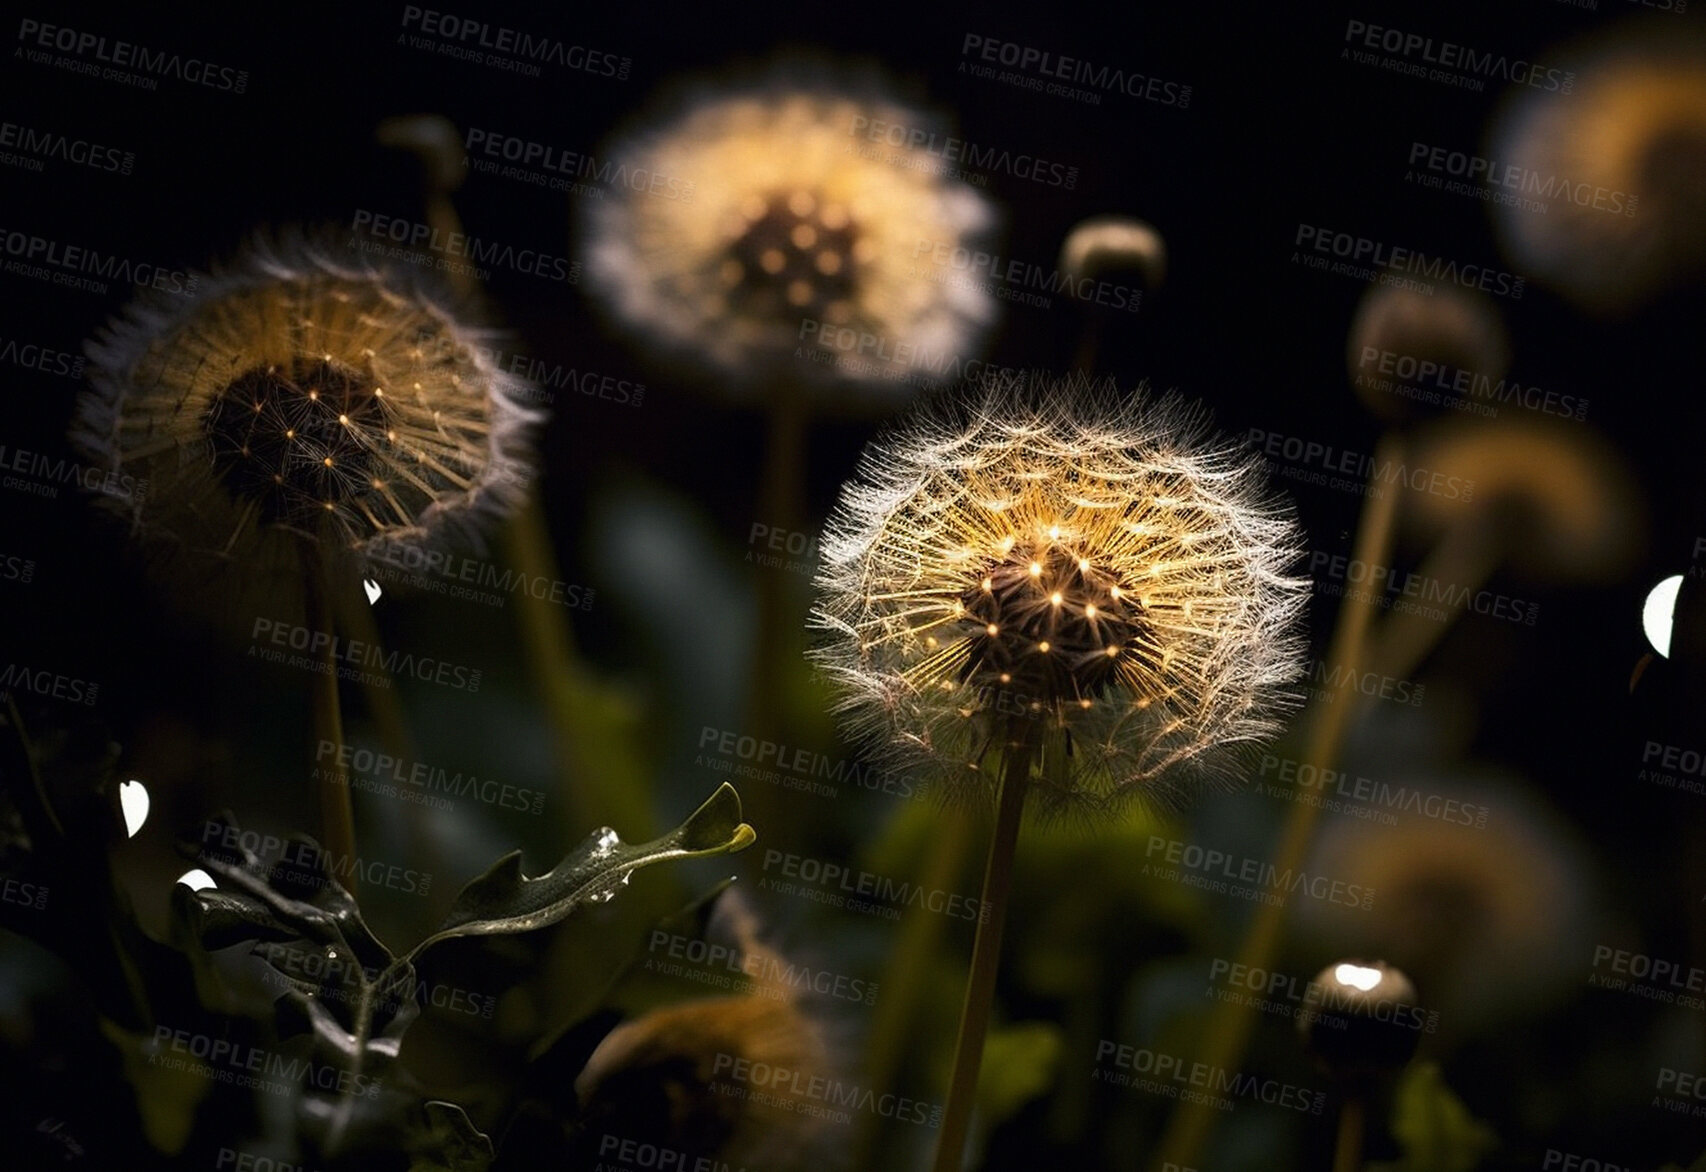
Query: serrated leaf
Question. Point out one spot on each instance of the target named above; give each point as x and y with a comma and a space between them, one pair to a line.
219, 919
503, 900
448, 1141
1434, 1128
251, 903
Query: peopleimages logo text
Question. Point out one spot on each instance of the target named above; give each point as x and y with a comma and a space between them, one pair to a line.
1390, 585
1024, 275
1076, 70
486, 43
1248, 877
272, 1071
1449, 55
133, 56
307, 865
30, 249
1385, 370
950, 149
324, 646
841, 882
1351, 786
1328, 458
50, 144
1495, 173
416, 235
488, 150
350, 759
1390, 258
789, 1084
1158, 1072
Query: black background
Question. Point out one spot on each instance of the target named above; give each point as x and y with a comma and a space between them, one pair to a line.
1279, 131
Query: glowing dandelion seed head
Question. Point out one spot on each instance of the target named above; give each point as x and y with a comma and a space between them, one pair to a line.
786, 231
1046, 636
298, 393
1056, 561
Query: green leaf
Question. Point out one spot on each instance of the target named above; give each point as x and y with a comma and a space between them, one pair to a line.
167, 1094
503, 900
1435, 1129
1699, 1165
448, 1141
1019, 1063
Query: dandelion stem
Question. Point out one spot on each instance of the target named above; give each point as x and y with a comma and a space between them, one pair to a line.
908, 969
1089, 343
1230, 1023
781, 505
355, 617
986, 953
1347, 1152
337, 814
1465, 558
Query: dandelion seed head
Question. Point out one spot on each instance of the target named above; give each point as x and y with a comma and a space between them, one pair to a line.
665, 1073
258, 410
980, 583
1562, 500
1489, 916
1628, 143
791, 217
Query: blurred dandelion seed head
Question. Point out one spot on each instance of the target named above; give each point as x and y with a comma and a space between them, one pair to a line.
1051, 558
1488, 918
302, 394
793, 216
671, 1075
1567, 506
1630, 143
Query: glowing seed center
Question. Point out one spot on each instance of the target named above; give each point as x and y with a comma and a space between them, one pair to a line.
295, 439
795, 254
1048, 625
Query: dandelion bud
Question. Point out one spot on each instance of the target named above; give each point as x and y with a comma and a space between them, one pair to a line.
1359, 1020
1398, 333
1492, 917
1564, 502
434, 140
1115, 244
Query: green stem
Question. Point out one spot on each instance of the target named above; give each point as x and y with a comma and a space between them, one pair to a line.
1465, 557
986, 954
1230, 1023
385, 710
776, 645
908, 971
363, 1031
1347, 1153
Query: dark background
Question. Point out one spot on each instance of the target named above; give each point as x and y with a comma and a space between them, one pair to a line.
1278, 131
